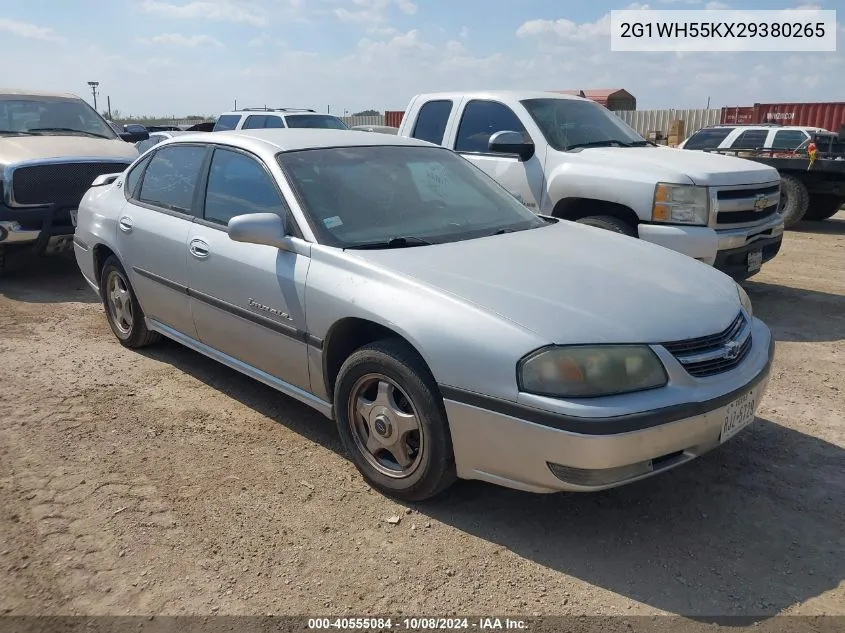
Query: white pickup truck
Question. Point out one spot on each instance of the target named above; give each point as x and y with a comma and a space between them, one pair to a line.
571, 158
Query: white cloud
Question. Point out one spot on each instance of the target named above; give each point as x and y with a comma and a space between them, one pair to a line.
809, 7
29, 31
177, 39
717, 6
374, 11
464, 33
220, 10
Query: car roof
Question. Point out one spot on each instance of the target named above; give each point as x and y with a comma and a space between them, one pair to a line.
279, 112
21, 92
292, 139
505, 95
765, 126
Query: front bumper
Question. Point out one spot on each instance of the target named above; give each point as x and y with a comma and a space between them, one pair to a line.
538, 451
44, 229
735, 262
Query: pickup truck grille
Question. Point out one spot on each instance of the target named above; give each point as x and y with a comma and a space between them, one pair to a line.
61, 184
746, 204
714, 354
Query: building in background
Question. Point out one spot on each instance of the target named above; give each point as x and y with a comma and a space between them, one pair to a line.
611, 98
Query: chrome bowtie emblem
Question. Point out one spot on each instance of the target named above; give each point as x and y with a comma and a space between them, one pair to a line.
731, 350
760, 202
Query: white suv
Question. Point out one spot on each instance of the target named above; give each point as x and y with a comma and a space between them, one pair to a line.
749, 137
258, 118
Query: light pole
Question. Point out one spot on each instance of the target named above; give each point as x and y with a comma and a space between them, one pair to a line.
94, 85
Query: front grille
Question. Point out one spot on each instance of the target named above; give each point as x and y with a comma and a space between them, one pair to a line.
739, 206
62, 184
714, 354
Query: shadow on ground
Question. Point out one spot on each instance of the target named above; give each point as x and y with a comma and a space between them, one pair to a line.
749, 529
831, 226
796, 314
53, 279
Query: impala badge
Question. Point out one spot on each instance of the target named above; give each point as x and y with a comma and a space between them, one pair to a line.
260, 306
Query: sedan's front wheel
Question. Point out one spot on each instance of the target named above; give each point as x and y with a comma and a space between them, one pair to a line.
392, 422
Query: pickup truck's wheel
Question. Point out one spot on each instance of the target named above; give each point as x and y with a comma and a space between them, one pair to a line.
823, 207
391, 421
794, 200
122, 308
609, 223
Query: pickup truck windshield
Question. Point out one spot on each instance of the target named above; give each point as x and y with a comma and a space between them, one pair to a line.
570, 123
397, 196
51, 116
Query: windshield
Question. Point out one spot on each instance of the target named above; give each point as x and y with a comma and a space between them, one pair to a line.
572, 123
365, 196
326, 121
51, 116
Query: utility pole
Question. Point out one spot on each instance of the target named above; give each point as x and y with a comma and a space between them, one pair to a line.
108, 101
94, 85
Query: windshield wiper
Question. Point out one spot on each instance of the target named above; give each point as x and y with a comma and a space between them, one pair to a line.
393, 242
19, 132
66, 129
605, 143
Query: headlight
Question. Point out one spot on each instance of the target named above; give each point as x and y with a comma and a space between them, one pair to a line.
680, 204
590, 371
744, 300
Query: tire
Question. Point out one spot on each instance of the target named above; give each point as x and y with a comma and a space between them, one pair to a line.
794, 200
823, 207
609, 223
124, 314
405, 416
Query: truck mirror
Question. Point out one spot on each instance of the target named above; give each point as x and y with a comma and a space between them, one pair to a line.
509, 142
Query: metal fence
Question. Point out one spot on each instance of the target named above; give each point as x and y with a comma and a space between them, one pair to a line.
352, 121
645, 121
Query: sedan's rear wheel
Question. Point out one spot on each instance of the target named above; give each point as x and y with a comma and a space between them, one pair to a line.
122, 308
392, 422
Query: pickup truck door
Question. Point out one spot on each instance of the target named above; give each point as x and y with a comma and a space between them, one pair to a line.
152, 232
247, 299
477, 120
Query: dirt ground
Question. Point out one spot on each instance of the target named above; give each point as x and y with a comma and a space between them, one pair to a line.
163, 483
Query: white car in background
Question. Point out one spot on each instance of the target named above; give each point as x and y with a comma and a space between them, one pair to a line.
749, 137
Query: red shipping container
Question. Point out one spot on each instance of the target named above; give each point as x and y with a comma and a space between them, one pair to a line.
828, 116
393, 118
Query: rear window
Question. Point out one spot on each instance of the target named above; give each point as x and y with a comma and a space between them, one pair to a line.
431, 121
708, 138
751, 139
325, 121
226, 122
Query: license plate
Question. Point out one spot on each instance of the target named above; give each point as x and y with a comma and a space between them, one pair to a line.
740, 413
73, 216
755, 260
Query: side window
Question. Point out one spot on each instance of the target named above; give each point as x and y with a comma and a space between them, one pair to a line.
789, 139
708, 138
226, 122
482, 119
432, 120
751, 139
134, 177
143, 146
239, 184
254, 122
273, 121
171, 177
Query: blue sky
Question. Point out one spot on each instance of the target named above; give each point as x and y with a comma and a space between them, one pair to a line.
179, 57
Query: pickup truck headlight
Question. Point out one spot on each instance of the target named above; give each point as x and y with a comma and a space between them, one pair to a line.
581, 371
680, 204
744, 300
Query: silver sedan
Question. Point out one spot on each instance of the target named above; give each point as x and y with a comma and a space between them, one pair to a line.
448, 330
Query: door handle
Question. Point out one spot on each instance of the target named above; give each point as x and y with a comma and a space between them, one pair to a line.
198, 248
125, 224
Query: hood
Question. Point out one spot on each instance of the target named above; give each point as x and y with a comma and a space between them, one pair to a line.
14, 149
572, 283
702, 168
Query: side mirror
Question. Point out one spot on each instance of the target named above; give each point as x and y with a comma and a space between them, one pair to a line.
259, 228
134, 137
507, 142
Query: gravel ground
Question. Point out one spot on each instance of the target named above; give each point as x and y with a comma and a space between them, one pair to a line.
163, 483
